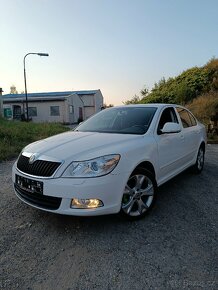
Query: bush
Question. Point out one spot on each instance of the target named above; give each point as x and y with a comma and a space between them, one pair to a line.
205, 106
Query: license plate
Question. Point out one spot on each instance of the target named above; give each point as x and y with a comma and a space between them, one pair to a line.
29, 185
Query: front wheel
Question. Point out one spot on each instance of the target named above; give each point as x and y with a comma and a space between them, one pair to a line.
139, 194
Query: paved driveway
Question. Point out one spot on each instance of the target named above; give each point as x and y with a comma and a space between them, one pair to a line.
175, 247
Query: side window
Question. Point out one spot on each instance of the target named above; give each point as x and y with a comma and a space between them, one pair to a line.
194, 123
168, 115
186, 118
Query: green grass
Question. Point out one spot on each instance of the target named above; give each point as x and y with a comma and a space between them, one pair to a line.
14, 135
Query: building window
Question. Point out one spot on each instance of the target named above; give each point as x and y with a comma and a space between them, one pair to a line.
71, 110
80, 114
54, 111
32, 111
7, 113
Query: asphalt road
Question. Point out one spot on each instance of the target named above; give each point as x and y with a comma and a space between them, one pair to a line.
175, 247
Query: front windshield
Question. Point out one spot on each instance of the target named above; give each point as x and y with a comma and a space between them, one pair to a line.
122, 120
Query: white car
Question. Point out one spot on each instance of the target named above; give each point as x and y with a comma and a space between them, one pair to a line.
111, 163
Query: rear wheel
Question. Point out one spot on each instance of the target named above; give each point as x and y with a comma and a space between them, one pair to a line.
139, 194
199, 164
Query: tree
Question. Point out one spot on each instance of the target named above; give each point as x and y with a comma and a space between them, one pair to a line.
13, 90
107, 106
135, 100
144, 92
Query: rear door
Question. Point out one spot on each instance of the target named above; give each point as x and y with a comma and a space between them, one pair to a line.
191, 133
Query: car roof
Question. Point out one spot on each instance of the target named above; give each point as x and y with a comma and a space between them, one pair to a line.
156, 105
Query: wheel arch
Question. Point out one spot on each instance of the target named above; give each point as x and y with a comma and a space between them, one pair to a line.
203, 145
147, 165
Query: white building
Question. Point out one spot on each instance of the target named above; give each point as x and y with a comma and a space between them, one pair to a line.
64, 107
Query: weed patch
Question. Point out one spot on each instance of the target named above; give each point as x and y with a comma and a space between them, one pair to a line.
15, 135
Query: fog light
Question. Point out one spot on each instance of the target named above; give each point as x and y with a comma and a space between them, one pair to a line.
86, 203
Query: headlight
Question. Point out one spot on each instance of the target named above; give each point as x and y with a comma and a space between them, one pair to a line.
92, 168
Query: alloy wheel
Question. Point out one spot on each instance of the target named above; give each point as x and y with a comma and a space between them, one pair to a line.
138, 195
200, 159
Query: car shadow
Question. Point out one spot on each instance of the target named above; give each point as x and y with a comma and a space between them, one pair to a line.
166, 208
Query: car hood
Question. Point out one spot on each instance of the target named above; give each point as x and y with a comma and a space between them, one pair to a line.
78, 146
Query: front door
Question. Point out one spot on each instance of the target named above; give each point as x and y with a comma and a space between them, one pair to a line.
170, 147
16, 112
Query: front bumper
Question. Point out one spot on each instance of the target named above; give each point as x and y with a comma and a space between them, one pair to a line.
109, 189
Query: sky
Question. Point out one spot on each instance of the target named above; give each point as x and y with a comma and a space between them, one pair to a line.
117, 46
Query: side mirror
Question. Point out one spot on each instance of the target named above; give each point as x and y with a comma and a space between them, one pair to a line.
171, 127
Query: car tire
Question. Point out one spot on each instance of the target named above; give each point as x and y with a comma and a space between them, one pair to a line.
139, 194
199, 164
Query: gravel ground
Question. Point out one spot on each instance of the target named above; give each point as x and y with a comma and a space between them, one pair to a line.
175, 247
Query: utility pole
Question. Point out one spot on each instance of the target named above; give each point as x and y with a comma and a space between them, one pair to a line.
24, 71
1, 103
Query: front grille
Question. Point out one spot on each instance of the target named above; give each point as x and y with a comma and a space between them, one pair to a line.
37, 199
37, 168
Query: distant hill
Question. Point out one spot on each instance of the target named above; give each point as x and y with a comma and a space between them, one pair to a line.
196, 88
185, 87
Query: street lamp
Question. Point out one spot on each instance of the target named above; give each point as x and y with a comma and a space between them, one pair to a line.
37, 53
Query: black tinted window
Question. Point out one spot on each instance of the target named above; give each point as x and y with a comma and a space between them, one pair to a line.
186, 118
168, 115
126, 120
193, 121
